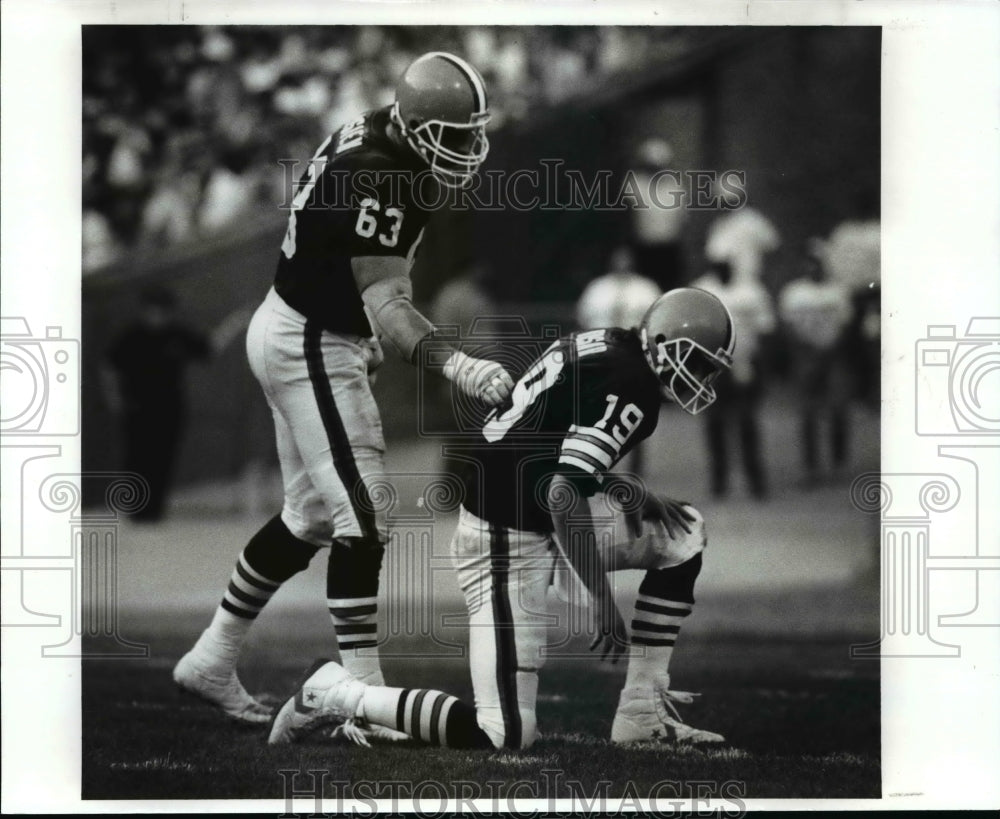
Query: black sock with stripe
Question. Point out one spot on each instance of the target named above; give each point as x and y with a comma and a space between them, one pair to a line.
666, 597
352, 579
272, 556
426, 715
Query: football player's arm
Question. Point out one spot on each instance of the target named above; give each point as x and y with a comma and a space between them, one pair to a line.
385, 287
574, 529
596, 448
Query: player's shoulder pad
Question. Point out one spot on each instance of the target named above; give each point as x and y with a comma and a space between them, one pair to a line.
621, 368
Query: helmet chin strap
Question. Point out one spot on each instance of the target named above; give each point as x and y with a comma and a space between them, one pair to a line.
400, 134
396, 133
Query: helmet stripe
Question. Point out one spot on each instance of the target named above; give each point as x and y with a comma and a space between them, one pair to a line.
471, 75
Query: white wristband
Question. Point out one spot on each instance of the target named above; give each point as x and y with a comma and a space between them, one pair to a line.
456, 362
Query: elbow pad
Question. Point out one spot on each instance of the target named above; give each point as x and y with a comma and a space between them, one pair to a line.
398, 319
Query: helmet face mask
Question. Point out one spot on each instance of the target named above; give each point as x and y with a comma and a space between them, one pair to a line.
686, 371
441, 111
685, 367
453, 151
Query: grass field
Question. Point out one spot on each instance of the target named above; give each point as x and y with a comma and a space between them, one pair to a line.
801, 719
788, 586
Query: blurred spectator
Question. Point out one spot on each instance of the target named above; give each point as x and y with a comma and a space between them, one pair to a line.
127, 178
562, 66
619, 298
739, 392
99, 246
658, 225
169, 215
512, 61
143, 385
742, 238
853, 257
613, 52
815, 312
229, 193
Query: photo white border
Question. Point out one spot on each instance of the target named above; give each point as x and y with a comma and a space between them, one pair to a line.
941, 265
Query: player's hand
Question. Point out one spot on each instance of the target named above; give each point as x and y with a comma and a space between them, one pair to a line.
672, 514
480, 378
612, 638
494, 384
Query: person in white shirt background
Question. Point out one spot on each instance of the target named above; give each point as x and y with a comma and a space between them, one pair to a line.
743, 238
618, 298
852, 256
815, 312
658, 225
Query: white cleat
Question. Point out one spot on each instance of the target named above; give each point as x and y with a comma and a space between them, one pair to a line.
646, 715
222, 688
329, 694
358, 730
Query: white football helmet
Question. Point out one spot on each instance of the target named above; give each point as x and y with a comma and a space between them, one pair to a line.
688, 339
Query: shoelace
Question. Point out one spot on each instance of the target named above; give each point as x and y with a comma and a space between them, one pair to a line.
352, 730
668, 698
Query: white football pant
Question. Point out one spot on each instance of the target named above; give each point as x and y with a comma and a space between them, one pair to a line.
505, 575
329, 433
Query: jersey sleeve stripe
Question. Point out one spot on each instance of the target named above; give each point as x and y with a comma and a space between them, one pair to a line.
585, 448
586, 465
597, 434
611, 449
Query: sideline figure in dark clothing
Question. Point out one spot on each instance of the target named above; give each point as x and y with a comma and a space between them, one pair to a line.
144, 387
739, 394
815, 312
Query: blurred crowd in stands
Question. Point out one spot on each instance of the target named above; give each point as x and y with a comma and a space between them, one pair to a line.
183, 126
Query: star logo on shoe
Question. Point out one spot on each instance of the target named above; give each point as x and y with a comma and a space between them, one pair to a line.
301, 704
656, 733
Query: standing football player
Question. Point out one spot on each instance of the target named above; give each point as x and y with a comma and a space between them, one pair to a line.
343, 274
574, 413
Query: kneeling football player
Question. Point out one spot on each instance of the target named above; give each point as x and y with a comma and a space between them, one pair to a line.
573, 414
585, 403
